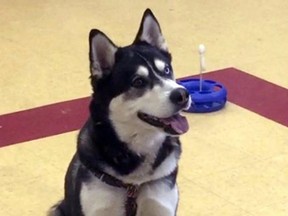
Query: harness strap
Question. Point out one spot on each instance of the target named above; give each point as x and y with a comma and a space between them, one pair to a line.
131, 205
131, 190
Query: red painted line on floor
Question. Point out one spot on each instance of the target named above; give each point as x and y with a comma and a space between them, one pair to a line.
255, 94
245, 90
43, 121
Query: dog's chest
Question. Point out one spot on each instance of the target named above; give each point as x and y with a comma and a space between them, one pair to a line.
159, 161
99, 198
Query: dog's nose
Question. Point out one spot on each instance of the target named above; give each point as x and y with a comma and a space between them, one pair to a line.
179, 96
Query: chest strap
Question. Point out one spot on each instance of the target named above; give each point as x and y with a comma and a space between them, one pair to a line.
131, 190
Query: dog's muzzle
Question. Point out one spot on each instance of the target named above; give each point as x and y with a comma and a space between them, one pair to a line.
180, 98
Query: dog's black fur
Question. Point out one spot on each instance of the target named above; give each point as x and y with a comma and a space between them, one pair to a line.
99, 145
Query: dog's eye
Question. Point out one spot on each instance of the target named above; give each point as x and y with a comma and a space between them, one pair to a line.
167, 70
138, 82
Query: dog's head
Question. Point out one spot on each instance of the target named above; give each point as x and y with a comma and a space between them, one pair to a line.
136, 83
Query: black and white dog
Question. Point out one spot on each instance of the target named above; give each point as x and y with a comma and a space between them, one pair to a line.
128, 150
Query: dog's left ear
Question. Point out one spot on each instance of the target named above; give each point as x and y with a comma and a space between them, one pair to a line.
150, 31
102, 54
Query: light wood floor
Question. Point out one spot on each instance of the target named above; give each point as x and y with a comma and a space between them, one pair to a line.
234, 163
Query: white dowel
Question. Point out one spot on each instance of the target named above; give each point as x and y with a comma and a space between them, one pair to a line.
201, 50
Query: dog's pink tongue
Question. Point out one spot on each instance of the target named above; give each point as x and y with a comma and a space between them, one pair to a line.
178, 123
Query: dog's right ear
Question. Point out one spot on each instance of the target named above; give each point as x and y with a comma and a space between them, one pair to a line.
101, 53
150, 31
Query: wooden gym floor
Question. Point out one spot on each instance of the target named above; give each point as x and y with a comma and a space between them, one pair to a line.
235, 161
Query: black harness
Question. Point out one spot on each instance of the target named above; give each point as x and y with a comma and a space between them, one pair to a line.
131, 190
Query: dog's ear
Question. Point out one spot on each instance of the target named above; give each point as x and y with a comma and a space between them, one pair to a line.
101, 53
150, 31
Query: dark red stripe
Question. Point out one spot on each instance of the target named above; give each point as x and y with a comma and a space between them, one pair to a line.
43, 121
245, 90
255, 94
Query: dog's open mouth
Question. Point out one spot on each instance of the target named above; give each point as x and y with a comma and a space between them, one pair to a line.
174, 125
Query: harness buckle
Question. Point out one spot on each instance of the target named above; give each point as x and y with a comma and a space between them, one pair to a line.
132, 191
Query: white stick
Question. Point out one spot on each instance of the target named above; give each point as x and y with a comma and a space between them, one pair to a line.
201, 50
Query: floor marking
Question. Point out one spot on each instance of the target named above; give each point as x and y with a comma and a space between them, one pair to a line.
245, 90
253, 93
43, 121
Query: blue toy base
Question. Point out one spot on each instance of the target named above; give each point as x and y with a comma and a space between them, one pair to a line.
212, 97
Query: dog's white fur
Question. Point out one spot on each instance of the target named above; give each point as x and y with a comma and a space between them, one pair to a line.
142, 71
153, 200
159, 64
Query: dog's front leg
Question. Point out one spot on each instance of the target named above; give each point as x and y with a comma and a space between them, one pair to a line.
158, 199
100, 199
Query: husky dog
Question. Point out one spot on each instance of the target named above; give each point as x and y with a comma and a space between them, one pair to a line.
128, 150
